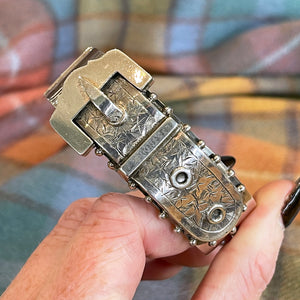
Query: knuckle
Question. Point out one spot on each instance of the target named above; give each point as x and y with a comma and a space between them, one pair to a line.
112, 205
76, 211
71, 218
111, 215
112, 198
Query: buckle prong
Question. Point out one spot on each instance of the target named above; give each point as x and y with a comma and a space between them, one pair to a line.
113, 114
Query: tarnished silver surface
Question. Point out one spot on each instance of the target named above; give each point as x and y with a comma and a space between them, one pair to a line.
208, 188
148, 148
104, 102
142, 117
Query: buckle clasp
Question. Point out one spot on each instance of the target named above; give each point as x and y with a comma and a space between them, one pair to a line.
81, 83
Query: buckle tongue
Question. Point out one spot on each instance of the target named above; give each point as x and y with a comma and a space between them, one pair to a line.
113, 114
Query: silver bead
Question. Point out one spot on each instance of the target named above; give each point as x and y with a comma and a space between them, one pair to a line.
201, 144
212, 244
98, 152
162, 215
233, 231
153, 97
193, 242
230, 173
186, 127
216, 158
168, 111
111, 165
177, 229
245, 207
148, 199
131, 185
241, 188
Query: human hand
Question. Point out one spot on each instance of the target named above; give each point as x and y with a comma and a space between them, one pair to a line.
102, 248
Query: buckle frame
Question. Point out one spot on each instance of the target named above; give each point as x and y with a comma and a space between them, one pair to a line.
69, 101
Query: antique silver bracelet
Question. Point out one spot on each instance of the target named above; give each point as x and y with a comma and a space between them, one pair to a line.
103, 101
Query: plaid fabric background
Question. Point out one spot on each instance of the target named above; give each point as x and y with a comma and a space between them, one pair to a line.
229, 68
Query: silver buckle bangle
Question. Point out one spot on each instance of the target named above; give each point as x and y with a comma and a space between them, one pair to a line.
103, 101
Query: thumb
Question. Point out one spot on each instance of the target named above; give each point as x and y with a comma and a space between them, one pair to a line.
244, 267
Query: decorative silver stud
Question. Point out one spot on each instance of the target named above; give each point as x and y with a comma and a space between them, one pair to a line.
98, 152
193, 242
245, 207
148, 199
153, 97
111, 165
233, 231
177, 229
168, 111
212, 244
216, 158
241, 188
201, 144
186, 127
131, 185
230, 173
162, 215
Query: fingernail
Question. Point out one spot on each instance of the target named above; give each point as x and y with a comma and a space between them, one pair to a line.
228, 161
292, 205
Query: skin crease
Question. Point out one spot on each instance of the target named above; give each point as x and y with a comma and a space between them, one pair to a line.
102, 248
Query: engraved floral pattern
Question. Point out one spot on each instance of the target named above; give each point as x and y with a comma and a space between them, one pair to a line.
138, 123
205, 190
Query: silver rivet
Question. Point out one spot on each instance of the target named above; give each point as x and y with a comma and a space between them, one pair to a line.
245, 207
216, 158
181, 177
98, 152
168, 111
111, 165
212, 244
177, 229
233, 231
230, 173
201, 144
216, 214
153, 97
148, 199
241, 188
193, 242
162, 215
131, 185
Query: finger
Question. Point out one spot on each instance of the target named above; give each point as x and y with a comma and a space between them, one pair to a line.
47, 255
107, 254
246, 265
160, 269
193, 257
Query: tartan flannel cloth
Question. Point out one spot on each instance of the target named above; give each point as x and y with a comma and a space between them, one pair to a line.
229, 68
